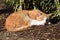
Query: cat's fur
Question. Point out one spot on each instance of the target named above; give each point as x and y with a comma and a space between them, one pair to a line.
24, 19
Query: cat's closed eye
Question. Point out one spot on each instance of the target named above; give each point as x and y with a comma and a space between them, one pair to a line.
39, 14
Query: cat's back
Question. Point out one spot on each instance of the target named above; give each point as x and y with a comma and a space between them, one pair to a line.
16, 19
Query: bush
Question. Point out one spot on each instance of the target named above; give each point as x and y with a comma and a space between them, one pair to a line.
48, 6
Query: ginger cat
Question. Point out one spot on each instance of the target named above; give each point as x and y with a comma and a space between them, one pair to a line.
21, 20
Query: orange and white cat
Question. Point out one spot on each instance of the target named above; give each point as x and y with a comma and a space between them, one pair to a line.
24, 19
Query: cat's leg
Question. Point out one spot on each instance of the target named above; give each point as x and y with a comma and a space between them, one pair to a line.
20, 28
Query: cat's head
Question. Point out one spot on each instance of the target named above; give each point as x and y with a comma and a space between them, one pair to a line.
38, 15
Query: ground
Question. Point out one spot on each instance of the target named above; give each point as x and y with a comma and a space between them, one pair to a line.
46, 32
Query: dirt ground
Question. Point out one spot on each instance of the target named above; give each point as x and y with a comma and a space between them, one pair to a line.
46, 32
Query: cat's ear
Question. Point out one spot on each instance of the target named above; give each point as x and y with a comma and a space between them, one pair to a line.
48, 15
42, 13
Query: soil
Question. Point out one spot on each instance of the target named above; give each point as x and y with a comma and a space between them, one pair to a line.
46, 32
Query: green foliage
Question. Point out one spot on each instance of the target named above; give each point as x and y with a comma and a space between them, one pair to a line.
57, 4
9, 3
47, 6
16, 4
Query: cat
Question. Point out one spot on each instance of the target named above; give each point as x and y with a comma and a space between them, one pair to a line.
21, 20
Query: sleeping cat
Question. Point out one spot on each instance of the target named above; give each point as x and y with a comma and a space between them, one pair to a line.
21, 20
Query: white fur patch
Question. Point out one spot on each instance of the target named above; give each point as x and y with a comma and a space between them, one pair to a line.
36, 22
